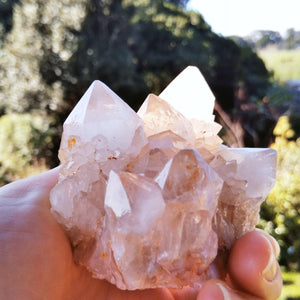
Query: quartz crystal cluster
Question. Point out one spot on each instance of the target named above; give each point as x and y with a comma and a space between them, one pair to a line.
153, 199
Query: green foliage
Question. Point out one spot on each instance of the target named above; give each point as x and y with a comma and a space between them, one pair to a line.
6, 12
253, 72
179, 2
291, 40
268, 37
279, 95
137, 47
38, 40
56, 48
24, 140
291, 286
281, 211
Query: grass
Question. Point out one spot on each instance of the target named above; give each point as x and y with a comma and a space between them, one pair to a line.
291, 286
284, 63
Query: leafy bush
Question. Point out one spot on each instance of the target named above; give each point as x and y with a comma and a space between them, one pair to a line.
291, 285
24, 140
53, 50
281, 211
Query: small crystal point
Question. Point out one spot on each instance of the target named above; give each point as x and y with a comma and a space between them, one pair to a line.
258, 183
102, 114
158, 116
190, 94
245, 188
188, 178
97, 105
138, 204
116, 197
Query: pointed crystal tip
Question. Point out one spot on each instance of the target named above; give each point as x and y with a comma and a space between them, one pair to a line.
190, 94
102, 119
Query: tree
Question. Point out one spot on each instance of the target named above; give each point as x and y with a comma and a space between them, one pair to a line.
34, 57
56, 49
139, 48
252, 71
102, 52
131, 45
182, 3
37, 50
264, 38
290, 40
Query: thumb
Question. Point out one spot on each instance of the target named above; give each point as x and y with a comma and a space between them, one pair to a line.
36, 188
253, 266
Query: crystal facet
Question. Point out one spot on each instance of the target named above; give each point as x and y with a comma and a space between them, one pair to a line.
190, 94
153, 199
106, 128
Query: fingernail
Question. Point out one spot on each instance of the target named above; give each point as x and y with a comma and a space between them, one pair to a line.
224, 291
273, 241
276, 246
270, 270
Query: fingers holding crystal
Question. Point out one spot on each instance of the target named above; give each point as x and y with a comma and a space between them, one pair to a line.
253, 266
219, 290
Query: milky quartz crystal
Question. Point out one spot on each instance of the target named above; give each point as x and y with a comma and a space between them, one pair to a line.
154, 199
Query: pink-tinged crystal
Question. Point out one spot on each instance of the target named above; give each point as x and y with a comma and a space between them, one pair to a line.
188, 178
159, 116
106, 127
153, 199
248, 175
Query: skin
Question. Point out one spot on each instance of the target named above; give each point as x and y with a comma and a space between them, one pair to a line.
36, 257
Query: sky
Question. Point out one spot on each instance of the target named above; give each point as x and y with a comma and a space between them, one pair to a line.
241, 17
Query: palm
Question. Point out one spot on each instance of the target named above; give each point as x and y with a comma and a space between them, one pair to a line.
37, 246
36, 256
41, 252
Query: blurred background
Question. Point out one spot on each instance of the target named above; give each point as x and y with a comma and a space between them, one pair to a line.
248, 51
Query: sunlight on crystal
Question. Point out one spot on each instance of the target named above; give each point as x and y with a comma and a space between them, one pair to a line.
190, 94
116, 197
154, 199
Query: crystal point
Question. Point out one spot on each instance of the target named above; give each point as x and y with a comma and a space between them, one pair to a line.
189, 178
109, 129
115, 197
190, 94
159, 116
98, 106
153, 199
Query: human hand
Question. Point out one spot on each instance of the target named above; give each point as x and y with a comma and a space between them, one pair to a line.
36, 257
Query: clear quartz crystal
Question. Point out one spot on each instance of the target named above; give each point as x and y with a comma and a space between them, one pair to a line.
153, 199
